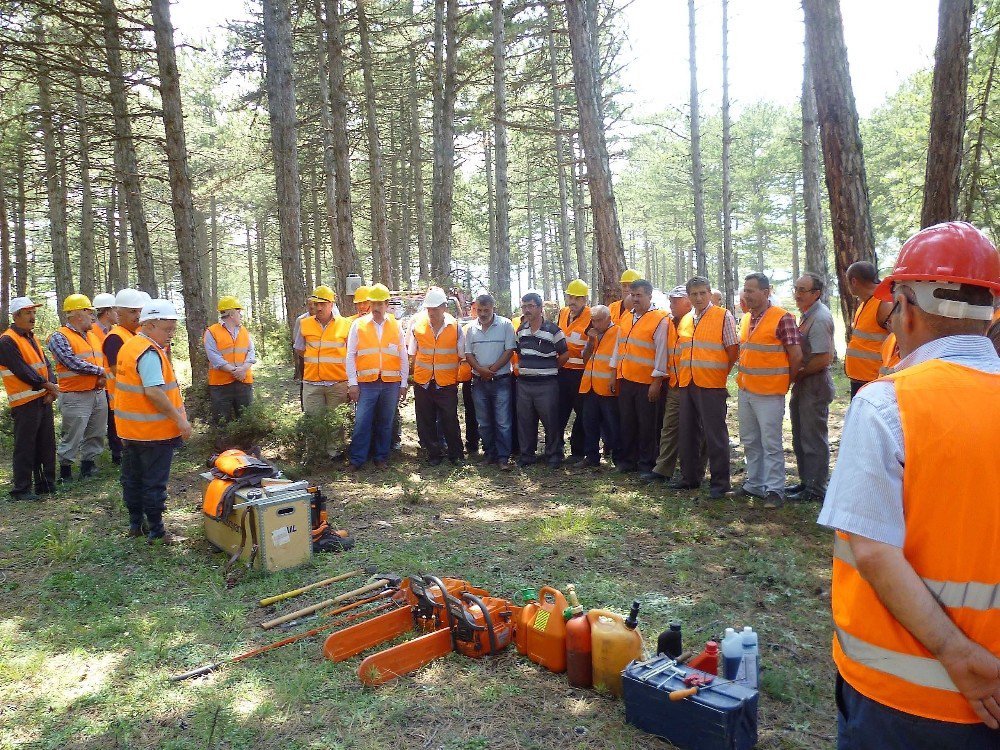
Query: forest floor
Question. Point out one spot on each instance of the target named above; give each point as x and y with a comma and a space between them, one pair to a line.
93, 623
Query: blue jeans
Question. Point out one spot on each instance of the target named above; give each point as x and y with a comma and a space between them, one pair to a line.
600, 418
493, 408
375, 413
144, 475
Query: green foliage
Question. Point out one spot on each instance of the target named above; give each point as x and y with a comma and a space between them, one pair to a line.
310, 438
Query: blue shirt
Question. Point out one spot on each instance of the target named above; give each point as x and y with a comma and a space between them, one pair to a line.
149, 366
865, 496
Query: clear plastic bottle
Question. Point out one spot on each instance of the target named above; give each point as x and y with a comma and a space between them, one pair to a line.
750, 666
732, 653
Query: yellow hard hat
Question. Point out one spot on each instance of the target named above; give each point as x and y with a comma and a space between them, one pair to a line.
323, 294
378, 293
578, 288
76, 302
628, 276
361, 294
229, 303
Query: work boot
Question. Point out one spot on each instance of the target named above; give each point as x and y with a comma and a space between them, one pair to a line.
165, 538
116, 459
65, 473
88, 469
28, 497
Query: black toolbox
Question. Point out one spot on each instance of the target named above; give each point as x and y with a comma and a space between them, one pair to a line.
717, 718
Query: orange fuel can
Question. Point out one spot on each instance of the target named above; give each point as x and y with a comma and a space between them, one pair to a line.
545, 629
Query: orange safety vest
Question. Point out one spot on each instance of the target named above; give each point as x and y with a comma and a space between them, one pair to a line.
576, 336
464, 368
598, 375
636, 350
763, 363
616, 311
378, 358
124, 334
702, 356
135, 416
515, 361
864, 350
437, 356
234, 351
325, 354
873, 651
86, 347
99, 332
20, 393
890, 355
673, 354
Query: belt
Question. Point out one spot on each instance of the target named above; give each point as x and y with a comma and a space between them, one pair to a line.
495, 377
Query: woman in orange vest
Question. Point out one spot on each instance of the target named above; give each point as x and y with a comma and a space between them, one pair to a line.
231, 356
151, 419
599, 387
916, 568
864, 350
437, 344
31, 389
377, 371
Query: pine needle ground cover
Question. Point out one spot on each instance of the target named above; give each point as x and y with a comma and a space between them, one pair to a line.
92, 623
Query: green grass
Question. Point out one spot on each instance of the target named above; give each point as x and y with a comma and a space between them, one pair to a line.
92, 623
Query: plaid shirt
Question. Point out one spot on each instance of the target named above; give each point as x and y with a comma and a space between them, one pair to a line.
787, 331
62, 350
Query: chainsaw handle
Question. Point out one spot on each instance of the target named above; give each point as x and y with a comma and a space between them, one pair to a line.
470, 597
200, 671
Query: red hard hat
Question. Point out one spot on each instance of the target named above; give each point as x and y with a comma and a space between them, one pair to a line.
954, 252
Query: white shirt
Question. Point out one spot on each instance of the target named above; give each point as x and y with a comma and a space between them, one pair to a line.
352, 351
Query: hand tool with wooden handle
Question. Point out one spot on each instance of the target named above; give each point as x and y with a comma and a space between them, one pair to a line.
383, 582
298, 592
679, 695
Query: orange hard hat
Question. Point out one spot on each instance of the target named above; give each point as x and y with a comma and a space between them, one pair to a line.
954, 252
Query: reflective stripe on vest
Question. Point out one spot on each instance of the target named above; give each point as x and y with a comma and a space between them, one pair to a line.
136, 418
325, 355
598, 375
763, 362
702, 358
890, 355
864, 350
378, 358
86, 347
515, 361
20, 393
437, 356
124, 334
636, 346
234, 351
576, 336
873, 651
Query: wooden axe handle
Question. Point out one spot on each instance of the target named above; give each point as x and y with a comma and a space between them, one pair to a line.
298, 592
374, 586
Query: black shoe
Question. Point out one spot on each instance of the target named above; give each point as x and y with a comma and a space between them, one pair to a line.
526, 462
680, 484
27, 497
794, 488
719, 494
65, 473
116, 459
773, 500
576, 460
554, 463
743, 492
88, 469
587, 464
805, 495
624, 468
652, 477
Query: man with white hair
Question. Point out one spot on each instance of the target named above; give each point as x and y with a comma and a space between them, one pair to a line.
151, 419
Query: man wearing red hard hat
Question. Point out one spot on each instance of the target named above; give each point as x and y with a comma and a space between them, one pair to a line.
915, 502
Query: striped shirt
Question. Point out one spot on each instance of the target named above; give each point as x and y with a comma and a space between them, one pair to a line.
538, 351
865, 496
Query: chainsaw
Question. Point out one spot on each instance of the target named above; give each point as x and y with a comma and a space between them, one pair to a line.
476, 626
422, 616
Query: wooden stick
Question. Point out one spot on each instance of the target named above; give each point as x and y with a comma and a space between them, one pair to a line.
380, 584
298, 592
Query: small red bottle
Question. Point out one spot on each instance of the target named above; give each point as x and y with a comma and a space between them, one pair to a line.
708, 659
579, 656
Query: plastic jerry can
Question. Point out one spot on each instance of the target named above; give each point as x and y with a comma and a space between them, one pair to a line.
708, 659
579, 651
614, 645
546, 629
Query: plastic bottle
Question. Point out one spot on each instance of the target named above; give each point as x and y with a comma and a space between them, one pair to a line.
749, 670
708, 659
669, 642
579, 649
546, 630
615, 643
732, 653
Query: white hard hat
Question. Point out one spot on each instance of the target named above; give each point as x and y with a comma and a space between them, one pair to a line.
435, 297
21, 303
158, 309
103, 300
131, 298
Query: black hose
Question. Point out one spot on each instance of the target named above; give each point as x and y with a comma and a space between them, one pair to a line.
494, 646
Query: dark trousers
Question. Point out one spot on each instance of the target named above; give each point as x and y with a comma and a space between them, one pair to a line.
515, 444
600, 418
856, 386
227, 401
145, 471
471, 425
809, 409
639, 429
538, 401
703, 417
437, 414
114, 442
864, 724
34, 448
571, 400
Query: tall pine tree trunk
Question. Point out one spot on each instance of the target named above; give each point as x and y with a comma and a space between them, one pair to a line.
114, 270
182, 202
88, 256
281, 108
329, 158
250, 275
123, 235
492, 223
213, 218
20, 228
697, 180
416, 164
812, 202
843, 156
946, 142
445, 91
4, 253
607, 231
794, 209
579, 213
974, 190
501, 262
263, 291
564, 239
729, 281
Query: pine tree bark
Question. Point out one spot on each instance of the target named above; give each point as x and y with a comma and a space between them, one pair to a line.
20, 228
4, 253
416, 164
492, 223
812, 202
500, 263
974, 190
329, 156
794, 211
123, 234
256, 311
697, 179
445, 91
281, 108
394, 222
263, 291
182, 202
840, 136
564, 239
213, 228
729, 282
948, 111
114, 270
580, 214
125, 158
607, 231
88, 256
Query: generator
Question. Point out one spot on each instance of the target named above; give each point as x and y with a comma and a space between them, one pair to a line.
268, 528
